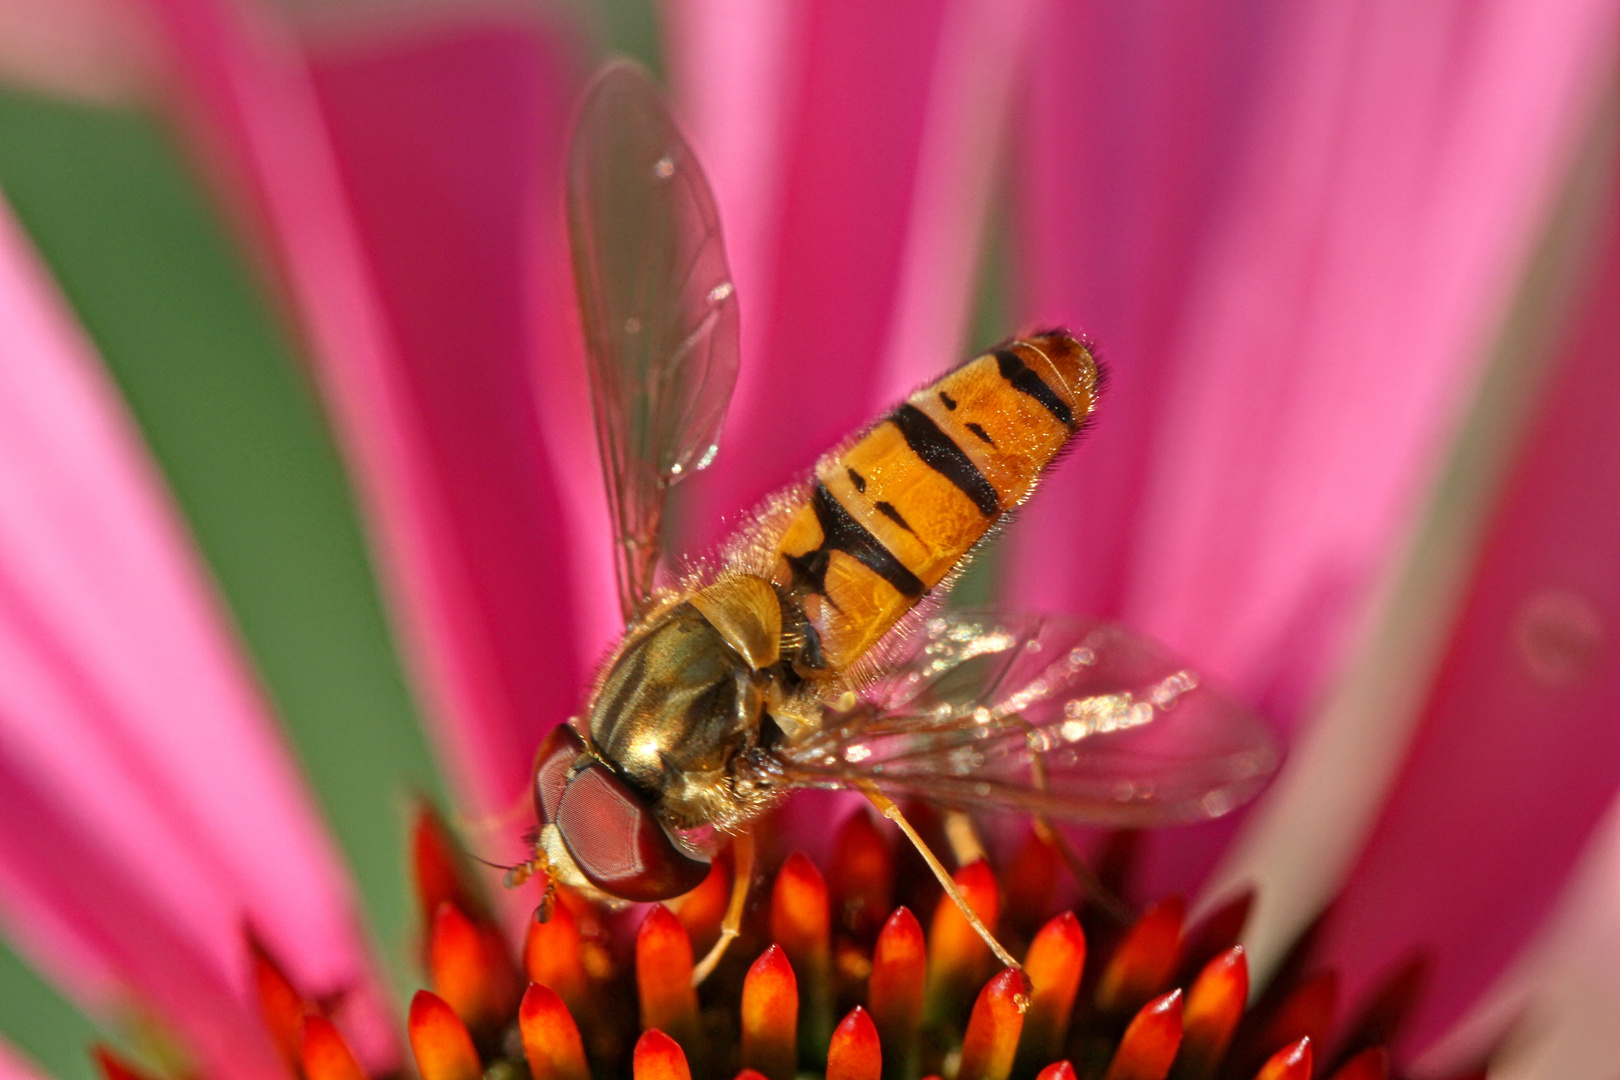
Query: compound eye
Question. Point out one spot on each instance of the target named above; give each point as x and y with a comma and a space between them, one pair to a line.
617, 843
552, 766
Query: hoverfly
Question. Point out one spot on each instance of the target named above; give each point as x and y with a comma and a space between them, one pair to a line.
800, 657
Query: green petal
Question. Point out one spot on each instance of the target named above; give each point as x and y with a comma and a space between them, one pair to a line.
42, 1024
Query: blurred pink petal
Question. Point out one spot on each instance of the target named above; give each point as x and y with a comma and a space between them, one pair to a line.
1281, 408
849, 150
584, 538
741, 71
983, 56
1558, 997
401, 230
735, 71
1517, 758
151, 808
1131, 142
114, 913
449, 149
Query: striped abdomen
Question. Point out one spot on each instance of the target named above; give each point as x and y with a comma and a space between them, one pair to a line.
891, 516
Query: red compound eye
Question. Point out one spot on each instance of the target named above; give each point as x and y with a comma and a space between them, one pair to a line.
552, 767
617, 843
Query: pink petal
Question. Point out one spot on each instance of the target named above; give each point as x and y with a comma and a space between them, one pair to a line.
837, 239
984, 52
739, 69
1304, 324
450, 150
1516, 759
402, 229
151, 808
49, 854
1559, 995
735, 69
1130, 139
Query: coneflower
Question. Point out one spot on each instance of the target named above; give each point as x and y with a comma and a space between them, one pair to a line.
610, 993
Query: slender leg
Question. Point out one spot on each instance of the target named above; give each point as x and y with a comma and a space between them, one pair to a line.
889, 810
1089, 882
742, 869
524, 871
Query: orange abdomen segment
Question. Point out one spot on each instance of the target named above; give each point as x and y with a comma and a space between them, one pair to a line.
892, 515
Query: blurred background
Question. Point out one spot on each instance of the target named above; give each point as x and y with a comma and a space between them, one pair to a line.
300, 516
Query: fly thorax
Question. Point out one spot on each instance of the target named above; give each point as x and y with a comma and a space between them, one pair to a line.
677, 707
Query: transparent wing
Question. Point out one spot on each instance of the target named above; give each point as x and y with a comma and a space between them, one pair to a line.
1076, 720
658, 307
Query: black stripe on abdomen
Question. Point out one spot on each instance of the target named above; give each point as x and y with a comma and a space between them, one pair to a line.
841, 532
1025, 381
888, 511
940, 453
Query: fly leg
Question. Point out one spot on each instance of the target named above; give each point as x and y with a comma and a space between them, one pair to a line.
521, 873
742, 870
889, 810
1090, 883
